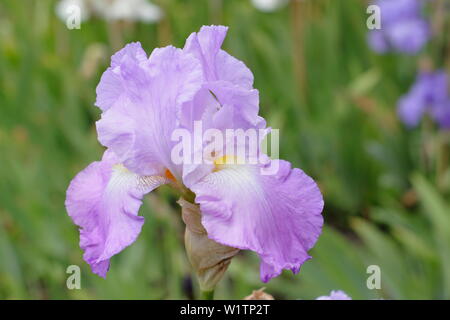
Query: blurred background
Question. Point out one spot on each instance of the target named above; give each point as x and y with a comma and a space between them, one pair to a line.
386, 187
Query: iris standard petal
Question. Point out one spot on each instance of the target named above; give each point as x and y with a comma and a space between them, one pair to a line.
239, 106
217, 64
104, 200
139, 128
234, 108
276, 215
113, 86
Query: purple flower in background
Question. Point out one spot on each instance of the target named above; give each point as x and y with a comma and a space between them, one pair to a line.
335, 295
441, 114
143, 100
429, 94
403, 28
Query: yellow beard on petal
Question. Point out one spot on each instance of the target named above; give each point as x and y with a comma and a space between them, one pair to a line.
223, 161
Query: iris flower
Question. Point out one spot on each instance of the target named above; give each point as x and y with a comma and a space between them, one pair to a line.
143, 100
429, 94
403, 27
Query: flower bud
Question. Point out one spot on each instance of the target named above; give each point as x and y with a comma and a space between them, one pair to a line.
208, 258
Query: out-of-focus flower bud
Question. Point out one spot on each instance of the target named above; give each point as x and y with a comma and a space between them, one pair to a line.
94, 55
259, 295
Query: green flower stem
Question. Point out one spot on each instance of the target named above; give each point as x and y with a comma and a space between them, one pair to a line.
207, 295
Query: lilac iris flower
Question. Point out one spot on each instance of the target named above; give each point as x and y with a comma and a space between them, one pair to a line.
403, 28
429, 94
143, 100
335, 295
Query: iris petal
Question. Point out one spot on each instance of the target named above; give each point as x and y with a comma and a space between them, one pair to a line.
217, 64
104, 200
278, 216
114, 87
139, 126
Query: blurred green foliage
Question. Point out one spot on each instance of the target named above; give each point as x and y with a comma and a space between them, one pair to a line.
386, 188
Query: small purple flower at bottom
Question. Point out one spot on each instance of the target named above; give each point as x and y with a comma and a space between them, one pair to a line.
403, 28
335, 295
429, 94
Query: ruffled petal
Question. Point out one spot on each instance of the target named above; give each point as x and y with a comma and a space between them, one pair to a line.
139, 128
227, 99
239, 106
217, 64
235, 109
116, 84
104, 200
221, 105
276, 214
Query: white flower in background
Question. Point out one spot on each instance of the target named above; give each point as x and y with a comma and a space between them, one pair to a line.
269, 5
130, 10
65, 8
134, 10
